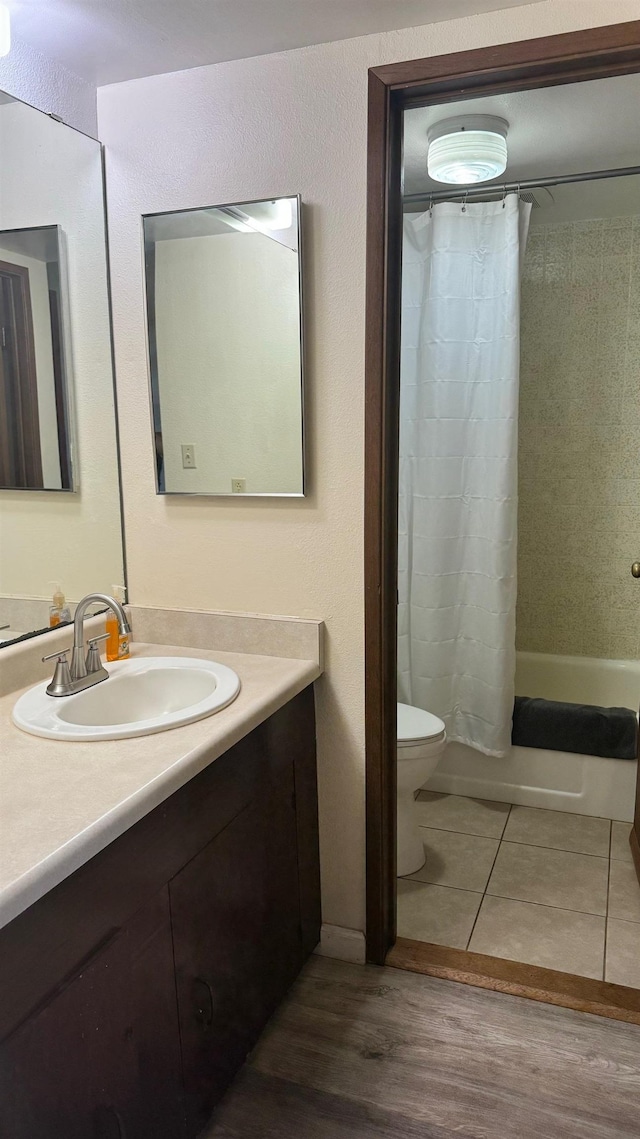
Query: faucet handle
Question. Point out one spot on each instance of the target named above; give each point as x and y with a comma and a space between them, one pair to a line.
93, 662
60, 656
61, 683
94, 640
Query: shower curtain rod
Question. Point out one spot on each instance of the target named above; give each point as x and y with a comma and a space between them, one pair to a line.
510, 187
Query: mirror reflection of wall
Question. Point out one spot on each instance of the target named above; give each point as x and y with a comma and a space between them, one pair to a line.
223, 304
59, 479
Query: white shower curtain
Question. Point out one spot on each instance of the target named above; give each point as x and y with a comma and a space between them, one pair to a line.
458, 466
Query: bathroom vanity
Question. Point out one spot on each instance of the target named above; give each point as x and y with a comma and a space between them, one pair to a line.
132, 990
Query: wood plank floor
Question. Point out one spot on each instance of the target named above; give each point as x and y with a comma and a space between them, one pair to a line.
375, 1053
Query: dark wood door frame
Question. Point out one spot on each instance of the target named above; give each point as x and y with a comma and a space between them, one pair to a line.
20, 453
571, 58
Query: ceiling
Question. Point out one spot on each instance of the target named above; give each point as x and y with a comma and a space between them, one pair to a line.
107, 41
555, 130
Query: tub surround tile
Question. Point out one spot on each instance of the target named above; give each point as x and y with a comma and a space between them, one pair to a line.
437, 914
580, 322
557, 878
540, 935
460, 814
624, 892
622, 961
620, 849
460, 860
562, 831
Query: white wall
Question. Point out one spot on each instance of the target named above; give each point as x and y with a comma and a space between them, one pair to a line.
41, 314
228, 344
52, 175
31, 76
256, 128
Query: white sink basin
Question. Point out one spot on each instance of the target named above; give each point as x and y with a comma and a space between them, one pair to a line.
142, 695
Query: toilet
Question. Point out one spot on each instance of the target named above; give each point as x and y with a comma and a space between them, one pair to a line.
421, 742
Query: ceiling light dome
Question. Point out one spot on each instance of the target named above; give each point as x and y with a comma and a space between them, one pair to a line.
467, 149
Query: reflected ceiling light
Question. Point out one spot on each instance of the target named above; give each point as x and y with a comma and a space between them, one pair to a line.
5, 30
274, 215
467, 149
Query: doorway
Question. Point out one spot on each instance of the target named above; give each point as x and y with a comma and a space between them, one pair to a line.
20, 456
524, 66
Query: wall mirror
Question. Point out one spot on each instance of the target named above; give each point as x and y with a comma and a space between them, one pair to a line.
35, 421
224, 319
59, 478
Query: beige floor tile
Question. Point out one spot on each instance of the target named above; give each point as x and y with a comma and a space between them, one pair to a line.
624, 892
558, 829
620, 849
540, 935
436, 913
458, 813
550, 877
622, 964
460, 860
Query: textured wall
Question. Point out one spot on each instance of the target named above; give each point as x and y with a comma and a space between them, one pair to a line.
249, 129
579, 513
30, 76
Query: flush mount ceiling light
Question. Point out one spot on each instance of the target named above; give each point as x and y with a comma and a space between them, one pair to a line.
467, 149
5, 30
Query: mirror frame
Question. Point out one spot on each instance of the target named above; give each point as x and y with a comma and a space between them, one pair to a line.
152, 368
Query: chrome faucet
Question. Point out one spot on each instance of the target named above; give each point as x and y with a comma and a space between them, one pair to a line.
84, 672
78, 663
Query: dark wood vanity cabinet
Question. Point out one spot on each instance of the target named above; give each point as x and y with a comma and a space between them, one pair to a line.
102, 1057
231, 973
131, 994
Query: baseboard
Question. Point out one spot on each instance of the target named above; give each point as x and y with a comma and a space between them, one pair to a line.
341, 943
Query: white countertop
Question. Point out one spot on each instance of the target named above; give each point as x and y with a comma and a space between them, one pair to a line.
61, 802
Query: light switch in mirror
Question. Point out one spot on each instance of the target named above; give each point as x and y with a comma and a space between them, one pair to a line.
224, 314
35, 420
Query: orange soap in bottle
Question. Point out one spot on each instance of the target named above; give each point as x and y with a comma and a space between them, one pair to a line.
117, 643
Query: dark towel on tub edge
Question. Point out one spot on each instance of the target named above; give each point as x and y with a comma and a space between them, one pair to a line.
555, 726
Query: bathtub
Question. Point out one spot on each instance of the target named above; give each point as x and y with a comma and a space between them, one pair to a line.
559, 780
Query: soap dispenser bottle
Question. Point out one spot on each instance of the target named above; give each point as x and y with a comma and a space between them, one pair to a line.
59, 612
117, 643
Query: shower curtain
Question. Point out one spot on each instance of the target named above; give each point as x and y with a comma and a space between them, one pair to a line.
458, 466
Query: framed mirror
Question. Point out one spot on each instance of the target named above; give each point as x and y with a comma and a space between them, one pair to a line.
60, 517
35, 419
224, 313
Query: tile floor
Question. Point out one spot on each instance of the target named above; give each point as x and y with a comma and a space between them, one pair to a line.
541, 887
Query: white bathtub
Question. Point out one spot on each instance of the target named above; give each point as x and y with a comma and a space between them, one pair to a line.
560, 780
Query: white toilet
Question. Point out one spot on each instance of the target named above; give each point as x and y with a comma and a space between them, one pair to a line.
421, 742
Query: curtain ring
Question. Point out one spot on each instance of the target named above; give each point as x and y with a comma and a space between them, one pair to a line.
504, 196
430, 207
464, 203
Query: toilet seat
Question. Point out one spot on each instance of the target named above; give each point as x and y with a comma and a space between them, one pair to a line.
417, 726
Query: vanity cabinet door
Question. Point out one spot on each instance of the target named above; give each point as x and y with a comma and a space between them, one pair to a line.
101, 1059
235, 914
